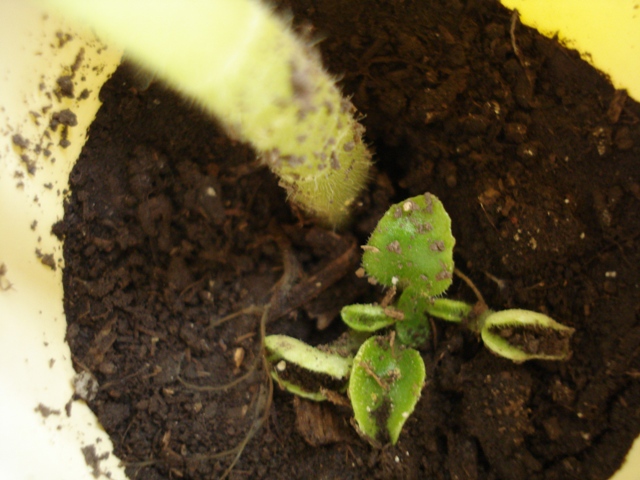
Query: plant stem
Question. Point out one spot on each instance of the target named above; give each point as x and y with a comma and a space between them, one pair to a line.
266, 87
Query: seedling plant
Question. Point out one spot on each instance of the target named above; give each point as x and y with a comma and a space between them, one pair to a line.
377, 362
268, 88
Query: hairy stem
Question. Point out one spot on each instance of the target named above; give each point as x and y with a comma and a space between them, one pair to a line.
266, 86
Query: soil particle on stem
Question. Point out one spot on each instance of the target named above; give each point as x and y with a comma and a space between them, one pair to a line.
170, 226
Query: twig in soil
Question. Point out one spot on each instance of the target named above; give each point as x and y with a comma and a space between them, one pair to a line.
630, 241
540, 284
487, 215
471, 285
244, 337
130, 376
313, 286
287, 298
263, 402
190, 287
226, 386
139, 465
250, 310
262, 408
515, 17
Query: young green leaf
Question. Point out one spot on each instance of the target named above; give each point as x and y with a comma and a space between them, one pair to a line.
305, 370
522, 335
412, 245
385, 385
449, 310
366, 318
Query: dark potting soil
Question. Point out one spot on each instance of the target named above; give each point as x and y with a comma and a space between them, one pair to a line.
170, 227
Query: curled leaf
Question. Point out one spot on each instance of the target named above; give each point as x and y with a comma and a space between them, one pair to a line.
366, 318
522, 335
449, 310
305, 370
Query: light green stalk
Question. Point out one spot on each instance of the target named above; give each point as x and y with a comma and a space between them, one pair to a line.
266, 86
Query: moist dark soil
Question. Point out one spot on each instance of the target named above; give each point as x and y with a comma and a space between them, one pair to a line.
170, 227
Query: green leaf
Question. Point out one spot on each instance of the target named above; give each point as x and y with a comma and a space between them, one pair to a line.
305, 370
366, 318
412, 245
449, 310
415, 329
522, 335
385, 385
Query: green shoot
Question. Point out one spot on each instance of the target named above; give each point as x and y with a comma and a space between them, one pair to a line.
411, 250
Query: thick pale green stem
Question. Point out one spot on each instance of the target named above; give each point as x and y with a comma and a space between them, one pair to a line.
267, 87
